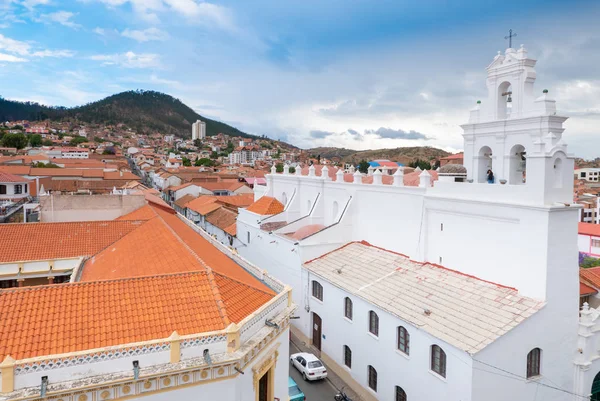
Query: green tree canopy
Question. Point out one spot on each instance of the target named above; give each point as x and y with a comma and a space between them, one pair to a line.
205, 162
186, 162
18, 141
422, 164
35, 140
47, 142
363, 166
77, 140
279, 167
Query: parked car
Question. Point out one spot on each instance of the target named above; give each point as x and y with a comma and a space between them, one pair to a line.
309, 365
294, 391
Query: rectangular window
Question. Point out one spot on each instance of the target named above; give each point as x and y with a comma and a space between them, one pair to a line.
596, 243
348, 308
18, 189
25, 188
317, 290
2, 189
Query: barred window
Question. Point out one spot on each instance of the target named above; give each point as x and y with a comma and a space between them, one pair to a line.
438, 360
348, 308
372, 378
403, 340
347, 356
400, 394
317, 290
533, 362
373, 323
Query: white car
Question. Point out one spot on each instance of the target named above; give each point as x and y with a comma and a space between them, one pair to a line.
309, 365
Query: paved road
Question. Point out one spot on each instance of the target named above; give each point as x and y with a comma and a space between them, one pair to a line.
321, 390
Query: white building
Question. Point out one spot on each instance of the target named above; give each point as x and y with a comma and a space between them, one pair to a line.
589, 174
74, 153
199, 130
482, 277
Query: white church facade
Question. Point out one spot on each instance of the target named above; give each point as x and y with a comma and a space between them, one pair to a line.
458, 290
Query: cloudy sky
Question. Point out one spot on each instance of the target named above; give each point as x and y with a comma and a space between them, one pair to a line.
359, 74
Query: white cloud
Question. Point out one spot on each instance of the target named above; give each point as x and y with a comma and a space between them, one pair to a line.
31, 4
129, 60
14, 46
53, 53
11, 59
100, 31
146, 35
61, 17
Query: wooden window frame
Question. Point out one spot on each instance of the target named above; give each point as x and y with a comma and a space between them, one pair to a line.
348, 308
347, 357
372, 378
317, 290
534, 363
400, 394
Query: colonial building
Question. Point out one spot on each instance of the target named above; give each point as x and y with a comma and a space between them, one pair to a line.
146, 306
459, 290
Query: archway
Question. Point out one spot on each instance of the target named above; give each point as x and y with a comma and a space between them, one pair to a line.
334, 211
484, 163
558, 173
284, 199
517, 165
504, 100
596, 389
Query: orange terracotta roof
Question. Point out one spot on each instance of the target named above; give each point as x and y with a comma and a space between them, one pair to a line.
7, 177
43, 241
81, 316
266, 206
18, 170
178, 187
231, 230
229, 185
144, 213
241, 200
590, 276
586, 289
205, 209
200, 202
589, 229
181, 202
221, 218
120, 175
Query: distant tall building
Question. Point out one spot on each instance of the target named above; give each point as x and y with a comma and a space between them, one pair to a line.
199, 130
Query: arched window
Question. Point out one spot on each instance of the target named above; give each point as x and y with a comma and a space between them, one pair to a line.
334, 211
558, 179
533, 362
348, 308
372, 378
284, 199
347, 356
317, 290
373, 323
400, 394
438, 360
484, 159
517, 165
403, 340
504, 100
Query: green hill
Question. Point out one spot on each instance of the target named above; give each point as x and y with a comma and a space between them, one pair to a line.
143, 111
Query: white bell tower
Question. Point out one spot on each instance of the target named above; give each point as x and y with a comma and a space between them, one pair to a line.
518, 135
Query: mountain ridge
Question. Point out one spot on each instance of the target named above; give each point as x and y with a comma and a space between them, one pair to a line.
143, 110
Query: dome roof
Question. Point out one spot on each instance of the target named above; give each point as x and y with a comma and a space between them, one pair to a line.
452, 169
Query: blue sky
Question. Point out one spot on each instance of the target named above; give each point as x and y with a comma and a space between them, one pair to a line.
359, 74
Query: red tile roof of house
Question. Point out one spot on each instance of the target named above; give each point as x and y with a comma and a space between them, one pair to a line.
43, 241
586, 290
454, 157
7, 177
590, 276
266, 205
221, 218
184, 200
241, 200
144, 213
73, 317
589, 229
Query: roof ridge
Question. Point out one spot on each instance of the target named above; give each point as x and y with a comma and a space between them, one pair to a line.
74, 222
97, 282
240, 282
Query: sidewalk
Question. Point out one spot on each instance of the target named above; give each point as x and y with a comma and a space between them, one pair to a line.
333, 378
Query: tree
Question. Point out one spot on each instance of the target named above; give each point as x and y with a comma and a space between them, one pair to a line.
197, 143
186, 162
422, 164
205, 162
98, 139
586, 261
292, 170
279, 167
214, 155
45, 165
109, 150
363, 166
77, 140
18, 141
35, 140
229, 147
47, 142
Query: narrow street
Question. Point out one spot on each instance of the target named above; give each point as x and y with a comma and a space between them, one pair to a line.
321, 390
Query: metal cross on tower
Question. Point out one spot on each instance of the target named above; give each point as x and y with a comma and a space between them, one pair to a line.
509, 37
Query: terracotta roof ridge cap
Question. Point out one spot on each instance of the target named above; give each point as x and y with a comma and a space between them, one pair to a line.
217, 296
242, 283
